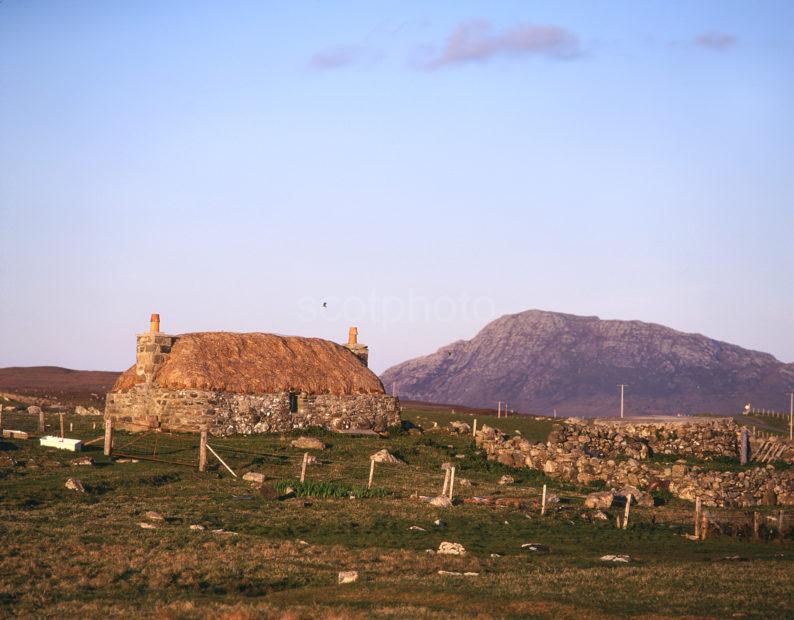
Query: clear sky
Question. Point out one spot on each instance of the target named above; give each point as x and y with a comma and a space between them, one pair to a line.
420, 167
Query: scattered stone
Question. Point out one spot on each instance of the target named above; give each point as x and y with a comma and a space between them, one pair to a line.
600, 499
254, 476
308, 443
450, 548
464, 482
75, 484
289, 493
34, 409
485, 501
126, 461
506, 480
616, 558
441, 501
80, 410
460, 427
347, 576
384, 456
600, 516
147, 526
153, 516
197, 528
440, 524
508, 502
8, 461
452, 573
222, 532
86, 460
495, 555
536, 547
416, 528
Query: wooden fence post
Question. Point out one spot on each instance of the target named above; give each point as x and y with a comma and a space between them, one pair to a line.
704, 526
626, 512
60, 415
744, 449
108, 437
756, 524
474, 428
41, 422
543, 502
303, 467
71, 427
451, 481
371, 472
202, 463
1, 421
446, 482
698, 505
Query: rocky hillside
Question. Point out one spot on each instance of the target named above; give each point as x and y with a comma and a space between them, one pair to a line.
61, 385
539, 361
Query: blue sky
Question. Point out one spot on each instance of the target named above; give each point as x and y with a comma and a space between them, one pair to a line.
421, 168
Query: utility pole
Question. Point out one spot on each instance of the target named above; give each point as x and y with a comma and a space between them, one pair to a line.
791, 416
621, 386
499, 410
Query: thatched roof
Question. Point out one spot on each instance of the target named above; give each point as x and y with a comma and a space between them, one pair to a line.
259, 363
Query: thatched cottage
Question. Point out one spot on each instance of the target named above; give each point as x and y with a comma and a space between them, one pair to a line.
248, 383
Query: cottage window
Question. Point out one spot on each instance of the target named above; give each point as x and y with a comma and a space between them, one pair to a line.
293, 402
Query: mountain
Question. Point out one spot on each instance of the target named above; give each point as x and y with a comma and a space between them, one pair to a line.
540, 361
63, 385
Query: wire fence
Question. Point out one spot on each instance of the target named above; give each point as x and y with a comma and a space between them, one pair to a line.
348, 469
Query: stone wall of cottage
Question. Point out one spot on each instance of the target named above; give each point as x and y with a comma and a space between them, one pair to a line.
618, 454
147, 406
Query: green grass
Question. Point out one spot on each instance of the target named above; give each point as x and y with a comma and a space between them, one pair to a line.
85, 555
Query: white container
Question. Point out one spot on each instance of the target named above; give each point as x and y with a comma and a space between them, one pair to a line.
73, 445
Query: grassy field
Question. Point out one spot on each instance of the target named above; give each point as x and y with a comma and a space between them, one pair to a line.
69, 554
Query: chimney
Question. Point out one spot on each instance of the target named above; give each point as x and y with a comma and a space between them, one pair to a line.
361, 351
152, 348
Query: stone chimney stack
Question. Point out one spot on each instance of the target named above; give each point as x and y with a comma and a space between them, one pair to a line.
361, 351
152, 349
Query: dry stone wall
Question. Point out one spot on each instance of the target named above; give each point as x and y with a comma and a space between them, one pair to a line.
583, 452
224, 413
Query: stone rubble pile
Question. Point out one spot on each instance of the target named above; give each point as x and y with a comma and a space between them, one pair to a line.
617, 453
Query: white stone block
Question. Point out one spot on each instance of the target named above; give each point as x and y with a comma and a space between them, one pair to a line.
73, 445
11, 434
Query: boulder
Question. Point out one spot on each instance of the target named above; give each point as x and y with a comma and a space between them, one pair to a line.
506, 480
153, 516
75, 484
307, 443
442, 501
254, 476
451, 548
347, 576
599, 500
460, 427
384, 456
